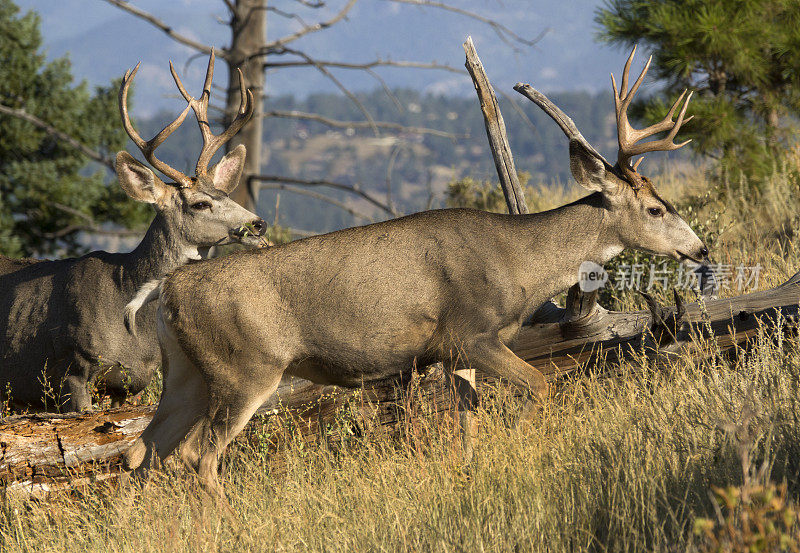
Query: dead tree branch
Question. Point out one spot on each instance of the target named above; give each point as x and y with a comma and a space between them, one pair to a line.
506, 35
346, 91
309, 4
352, 189
309, 29
293, 114
396, 151
360, 66
287, 15
317, 196
521, 112
496, 131
166, 28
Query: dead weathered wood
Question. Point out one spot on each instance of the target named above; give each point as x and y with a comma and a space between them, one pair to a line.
40, 453
496, 131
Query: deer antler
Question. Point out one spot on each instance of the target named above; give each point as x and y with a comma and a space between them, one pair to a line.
628, 137
212, 142
148, 146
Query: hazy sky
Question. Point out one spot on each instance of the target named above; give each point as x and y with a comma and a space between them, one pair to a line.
103, 41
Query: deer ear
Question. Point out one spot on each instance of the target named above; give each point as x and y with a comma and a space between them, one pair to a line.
228, 171
588, 169
139, 182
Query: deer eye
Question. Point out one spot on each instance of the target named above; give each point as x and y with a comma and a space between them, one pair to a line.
655, 211
199, 206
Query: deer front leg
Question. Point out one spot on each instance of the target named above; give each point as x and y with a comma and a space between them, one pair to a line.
491, 356
75, 394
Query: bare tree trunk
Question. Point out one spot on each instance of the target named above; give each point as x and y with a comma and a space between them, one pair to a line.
249, 34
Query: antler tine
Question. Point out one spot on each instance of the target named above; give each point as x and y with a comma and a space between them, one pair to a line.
665, 144
209, 77
200, 107
628, 137
214, 142
148, 146
186, 96
626, 71
242, 90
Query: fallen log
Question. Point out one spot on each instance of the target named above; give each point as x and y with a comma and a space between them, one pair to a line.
44, 452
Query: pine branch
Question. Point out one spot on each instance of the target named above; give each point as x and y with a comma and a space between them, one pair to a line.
59, 135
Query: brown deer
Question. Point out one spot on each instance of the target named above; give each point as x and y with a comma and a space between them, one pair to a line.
362, 304
61, 323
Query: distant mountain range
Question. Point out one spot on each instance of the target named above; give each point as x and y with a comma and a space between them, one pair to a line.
102, 41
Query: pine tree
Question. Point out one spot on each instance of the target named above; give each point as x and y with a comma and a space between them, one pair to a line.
49, 191
742, 57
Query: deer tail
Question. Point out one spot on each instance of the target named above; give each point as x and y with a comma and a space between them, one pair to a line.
148, 292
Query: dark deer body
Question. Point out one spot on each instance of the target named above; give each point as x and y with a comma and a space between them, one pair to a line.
363, 304
61, 322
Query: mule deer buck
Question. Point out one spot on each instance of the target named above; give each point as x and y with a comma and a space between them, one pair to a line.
61, 323
361, 304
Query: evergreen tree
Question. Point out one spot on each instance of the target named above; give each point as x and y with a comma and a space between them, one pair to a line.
741, 56
49, 192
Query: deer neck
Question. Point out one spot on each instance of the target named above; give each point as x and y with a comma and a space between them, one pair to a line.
160, 252
560, 240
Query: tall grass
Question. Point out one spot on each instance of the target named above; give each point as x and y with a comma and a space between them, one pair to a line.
613, 463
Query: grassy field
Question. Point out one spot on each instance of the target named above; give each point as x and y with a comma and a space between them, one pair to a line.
700, 456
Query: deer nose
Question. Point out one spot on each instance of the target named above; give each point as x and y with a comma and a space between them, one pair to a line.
703, 252
259, 227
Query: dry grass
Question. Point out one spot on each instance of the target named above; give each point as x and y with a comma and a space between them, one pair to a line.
624, 463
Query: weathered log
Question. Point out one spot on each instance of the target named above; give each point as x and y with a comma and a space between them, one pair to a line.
47, 452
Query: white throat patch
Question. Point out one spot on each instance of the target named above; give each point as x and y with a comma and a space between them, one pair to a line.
610, 252
191, 253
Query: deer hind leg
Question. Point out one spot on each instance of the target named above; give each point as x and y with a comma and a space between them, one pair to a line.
227, 415
184, 400
75, 394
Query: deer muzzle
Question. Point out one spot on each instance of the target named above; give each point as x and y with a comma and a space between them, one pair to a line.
251, 232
